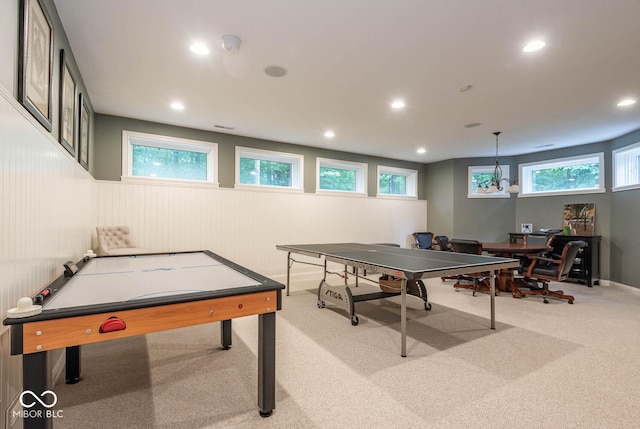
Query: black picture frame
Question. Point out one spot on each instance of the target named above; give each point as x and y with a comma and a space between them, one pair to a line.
84, 127
68, 106
35, 61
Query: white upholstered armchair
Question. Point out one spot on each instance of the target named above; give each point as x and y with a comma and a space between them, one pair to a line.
115, 240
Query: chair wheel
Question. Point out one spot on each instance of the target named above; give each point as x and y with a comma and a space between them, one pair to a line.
427, 306
474, 293
354, 320
570, 301
546, 301
320, 304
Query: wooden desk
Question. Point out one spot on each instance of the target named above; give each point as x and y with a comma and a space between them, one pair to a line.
505, 280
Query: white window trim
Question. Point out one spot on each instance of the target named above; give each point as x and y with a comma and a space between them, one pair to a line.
489, 169
412, 182
580, 159
297, 161
129, 139
360, 168
614, 169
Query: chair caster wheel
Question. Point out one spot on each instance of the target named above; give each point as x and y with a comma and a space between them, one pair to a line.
354, 320
320, 304
546, 301
570, 301
474, 293
427, 306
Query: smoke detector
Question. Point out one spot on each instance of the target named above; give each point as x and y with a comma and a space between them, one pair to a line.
231, 43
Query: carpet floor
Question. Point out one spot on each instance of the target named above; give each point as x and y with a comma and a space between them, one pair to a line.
545, 366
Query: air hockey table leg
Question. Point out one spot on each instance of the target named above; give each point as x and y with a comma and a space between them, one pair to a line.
72, 365
225, 334
266, 363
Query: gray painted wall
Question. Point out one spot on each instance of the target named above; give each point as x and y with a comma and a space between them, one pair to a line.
108, 150
624, 237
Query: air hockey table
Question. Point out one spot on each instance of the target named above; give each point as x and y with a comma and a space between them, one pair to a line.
106, 298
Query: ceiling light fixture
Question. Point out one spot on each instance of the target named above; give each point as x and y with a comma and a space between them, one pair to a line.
421, 150
176, 105
494, 184
199, 48
398, 104
626, 102
533, 46
231, 43
329, 134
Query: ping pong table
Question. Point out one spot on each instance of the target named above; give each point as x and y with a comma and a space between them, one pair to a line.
106, 298
410, 266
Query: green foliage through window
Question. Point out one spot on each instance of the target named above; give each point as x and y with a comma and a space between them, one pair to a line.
263, 172
393, 184
151, 161
337, 179
583, 176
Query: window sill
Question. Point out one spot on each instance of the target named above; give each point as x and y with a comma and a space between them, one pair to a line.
168, 182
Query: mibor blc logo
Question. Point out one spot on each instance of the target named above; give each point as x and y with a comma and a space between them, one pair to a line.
48, 399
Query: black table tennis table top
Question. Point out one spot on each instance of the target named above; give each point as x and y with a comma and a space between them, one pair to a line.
397, 258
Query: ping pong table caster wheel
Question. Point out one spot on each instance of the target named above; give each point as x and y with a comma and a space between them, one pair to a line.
320, 304
354, 320
427, 306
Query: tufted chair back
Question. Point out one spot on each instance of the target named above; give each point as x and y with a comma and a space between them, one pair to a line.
115, 240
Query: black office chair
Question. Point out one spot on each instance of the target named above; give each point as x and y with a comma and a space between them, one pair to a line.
442, 243
543, 269
423, 240
478, 280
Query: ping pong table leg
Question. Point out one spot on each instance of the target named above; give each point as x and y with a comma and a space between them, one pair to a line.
493, 299
403, 317
288, 270
266, 363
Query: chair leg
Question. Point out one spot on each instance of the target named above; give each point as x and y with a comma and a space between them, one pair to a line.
545, 292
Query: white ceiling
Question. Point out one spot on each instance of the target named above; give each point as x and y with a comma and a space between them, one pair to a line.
348, 59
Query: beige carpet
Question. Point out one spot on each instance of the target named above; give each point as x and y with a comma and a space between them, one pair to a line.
545, 366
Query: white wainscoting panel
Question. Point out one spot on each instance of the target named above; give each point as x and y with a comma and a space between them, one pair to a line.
47, 209
246, 225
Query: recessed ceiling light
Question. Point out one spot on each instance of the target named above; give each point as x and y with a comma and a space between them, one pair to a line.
397, 104
199, 48
176, 105
626, 102
329, 134
421, 150
533, 46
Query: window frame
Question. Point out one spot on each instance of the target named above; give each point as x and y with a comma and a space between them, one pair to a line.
525, 184
630, 150
411, 181
487, 169
297, 168
167, 142
360, 168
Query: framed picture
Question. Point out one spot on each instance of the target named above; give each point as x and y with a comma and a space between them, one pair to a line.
68, 111
83, 133
36, 61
